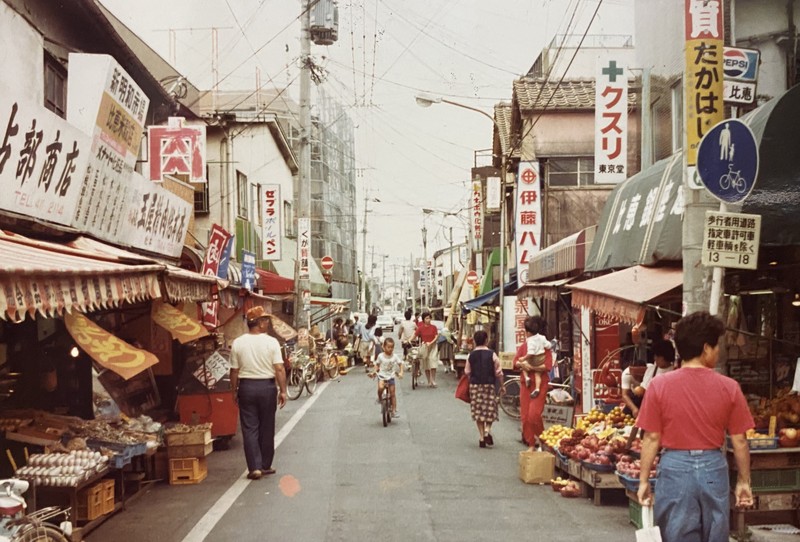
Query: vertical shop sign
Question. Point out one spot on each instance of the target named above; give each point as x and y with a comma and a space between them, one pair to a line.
217, 243
42, 160
611, 124
528, 228
586, 358
105, 102
248, 270
476, 228
155, 219
704, 76
304, 248
271, 231
493, 193
177, 149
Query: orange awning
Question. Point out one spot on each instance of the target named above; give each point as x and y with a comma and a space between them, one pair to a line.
179, 325
625, 293
106, 349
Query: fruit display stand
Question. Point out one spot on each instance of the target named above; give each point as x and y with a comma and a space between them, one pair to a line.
775, 480
600, 482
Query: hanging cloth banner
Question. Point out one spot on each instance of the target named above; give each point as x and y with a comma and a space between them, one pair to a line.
181, 327
109, 351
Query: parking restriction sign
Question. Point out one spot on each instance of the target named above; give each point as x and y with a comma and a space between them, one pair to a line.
731, 240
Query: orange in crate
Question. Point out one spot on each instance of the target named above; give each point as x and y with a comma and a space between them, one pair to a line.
189, 470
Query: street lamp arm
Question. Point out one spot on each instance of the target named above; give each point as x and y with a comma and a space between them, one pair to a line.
484, 113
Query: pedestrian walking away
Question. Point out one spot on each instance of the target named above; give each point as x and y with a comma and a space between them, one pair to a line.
256, 367
686, 414
485, 374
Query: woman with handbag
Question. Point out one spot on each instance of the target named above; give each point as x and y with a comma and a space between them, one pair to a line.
484, 373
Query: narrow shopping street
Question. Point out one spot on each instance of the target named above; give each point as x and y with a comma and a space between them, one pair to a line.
343, 476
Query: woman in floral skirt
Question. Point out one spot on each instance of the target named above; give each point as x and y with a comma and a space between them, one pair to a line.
483, 370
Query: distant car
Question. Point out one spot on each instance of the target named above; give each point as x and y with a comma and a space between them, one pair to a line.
397, 316
385, 322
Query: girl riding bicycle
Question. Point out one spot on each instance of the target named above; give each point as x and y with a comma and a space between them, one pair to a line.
387, 365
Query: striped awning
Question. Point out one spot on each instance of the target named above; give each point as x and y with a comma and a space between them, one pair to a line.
48, 278
546, 289
565, 256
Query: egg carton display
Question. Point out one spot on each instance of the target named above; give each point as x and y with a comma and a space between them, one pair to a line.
62, 469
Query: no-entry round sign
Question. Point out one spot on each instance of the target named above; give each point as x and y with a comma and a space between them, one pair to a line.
327, 263
472, 278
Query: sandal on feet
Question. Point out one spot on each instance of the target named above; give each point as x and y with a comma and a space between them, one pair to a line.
269, 471
489, 440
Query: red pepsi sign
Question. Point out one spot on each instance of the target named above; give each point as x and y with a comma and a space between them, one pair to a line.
740, 64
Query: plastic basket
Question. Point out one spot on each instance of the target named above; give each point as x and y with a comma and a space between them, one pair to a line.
773, 480
599, 468
635, 513
192, 470
632, 484
761, 443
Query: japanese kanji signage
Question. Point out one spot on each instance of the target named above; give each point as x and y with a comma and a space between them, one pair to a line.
704, 71
105, 102
476, 217
528, 217
741, 73
731, 240
155, 219
177, 149
248, 270
304, 248
271, 222
611, 124
42, 160
493, 193
217, 243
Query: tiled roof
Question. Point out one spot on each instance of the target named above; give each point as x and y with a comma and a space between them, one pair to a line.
534, 94
502, 116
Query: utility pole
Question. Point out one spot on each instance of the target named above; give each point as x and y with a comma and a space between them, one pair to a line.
413, 284
302, 281
452, 271
425, 267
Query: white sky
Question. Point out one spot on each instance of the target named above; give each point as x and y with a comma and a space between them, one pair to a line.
388, 51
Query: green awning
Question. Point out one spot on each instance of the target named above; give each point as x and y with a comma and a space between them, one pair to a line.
641, 221
487, 283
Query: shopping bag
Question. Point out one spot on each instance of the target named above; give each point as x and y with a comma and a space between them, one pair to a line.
648, 532
462, 389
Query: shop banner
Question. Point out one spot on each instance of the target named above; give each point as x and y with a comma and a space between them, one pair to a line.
304, 248
213, 369
248, 270
476, 223
105, 102
177, 149
493, 193
611, 124
42, 160
528, 208
155, 219
271, 222
217, 243
181, 327
282, 329
109, 351
704, 71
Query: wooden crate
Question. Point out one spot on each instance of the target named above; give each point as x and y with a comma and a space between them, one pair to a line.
188, 439
108, 495
190, 470
91, 503
190, 450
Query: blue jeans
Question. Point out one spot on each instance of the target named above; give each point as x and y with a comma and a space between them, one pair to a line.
692, 496
258, 401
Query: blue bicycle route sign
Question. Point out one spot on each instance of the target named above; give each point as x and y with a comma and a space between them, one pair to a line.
727, 161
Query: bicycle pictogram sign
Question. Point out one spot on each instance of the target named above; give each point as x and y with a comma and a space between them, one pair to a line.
727, 161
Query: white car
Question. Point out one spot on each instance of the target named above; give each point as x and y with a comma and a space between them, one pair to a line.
385, 322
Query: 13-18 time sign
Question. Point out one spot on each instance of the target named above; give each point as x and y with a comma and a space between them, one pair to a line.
731, 240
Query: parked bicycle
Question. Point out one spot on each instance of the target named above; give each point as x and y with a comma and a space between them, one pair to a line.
508, 395
414, 360
18, 526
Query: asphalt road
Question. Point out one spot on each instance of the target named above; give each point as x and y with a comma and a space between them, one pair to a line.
342, 476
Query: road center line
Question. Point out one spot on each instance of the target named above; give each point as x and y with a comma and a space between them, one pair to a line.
207, 523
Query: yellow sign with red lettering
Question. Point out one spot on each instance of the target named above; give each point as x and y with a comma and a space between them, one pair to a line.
109, 351
181, 327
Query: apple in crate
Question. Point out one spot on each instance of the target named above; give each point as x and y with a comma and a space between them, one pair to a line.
788, 438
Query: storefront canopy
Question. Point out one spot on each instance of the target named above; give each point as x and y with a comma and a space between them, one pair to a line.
37, 276
272, 283
641, 222
625, 293
106, 349
546, 289
565, 256
491, 297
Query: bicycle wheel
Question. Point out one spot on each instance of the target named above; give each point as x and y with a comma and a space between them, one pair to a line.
331, 365
295, 383
385, 412
40, 533
509, 398
414, 374
310, 377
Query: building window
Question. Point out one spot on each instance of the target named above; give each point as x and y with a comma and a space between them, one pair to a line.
677, 116
570, 171
288, 219
55, 86
242, 195
201, 198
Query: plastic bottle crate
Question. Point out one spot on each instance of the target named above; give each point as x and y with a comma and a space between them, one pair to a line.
635, 513
773, 480
189, 470
92, 501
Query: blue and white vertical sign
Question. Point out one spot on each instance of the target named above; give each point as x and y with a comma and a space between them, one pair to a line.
248, 270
